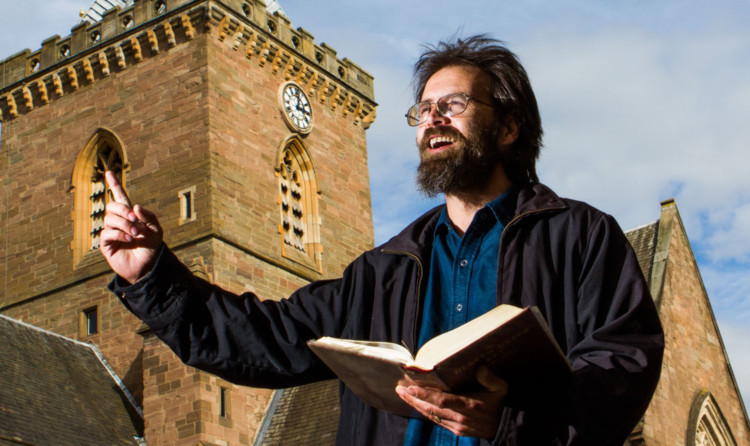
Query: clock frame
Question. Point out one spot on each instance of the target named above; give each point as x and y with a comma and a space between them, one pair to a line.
296, 107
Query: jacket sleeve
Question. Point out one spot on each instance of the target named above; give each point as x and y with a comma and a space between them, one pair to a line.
238, 337
615, 346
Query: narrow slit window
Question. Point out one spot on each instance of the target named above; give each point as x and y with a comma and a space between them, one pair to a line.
90, 321
223, 402
187, 205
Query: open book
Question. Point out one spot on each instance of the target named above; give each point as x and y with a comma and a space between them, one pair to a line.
514, 343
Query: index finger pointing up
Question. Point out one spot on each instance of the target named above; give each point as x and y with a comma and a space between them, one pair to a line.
117, 191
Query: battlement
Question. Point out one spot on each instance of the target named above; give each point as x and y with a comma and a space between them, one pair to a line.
125, 36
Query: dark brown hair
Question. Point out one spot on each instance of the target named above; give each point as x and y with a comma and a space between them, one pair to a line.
511, 91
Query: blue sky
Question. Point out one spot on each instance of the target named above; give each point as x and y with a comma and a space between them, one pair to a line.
641, 101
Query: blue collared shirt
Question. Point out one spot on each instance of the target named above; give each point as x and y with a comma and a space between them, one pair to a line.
461, 285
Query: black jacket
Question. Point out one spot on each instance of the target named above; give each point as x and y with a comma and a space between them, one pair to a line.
567, 258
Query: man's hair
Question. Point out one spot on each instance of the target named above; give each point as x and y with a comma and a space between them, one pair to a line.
511, 92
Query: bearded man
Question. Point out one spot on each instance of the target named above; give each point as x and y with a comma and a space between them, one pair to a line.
501, 238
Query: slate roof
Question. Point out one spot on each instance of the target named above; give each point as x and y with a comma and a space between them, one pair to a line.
59, 391
643, 240
304, 415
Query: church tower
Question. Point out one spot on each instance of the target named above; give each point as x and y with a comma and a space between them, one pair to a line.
244, 135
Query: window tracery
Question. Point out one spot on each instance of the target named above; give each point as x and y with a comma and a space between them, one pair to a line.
298, 207
102, 153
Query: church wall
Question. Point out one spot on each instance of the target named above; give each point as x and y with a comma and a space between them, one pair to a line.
694, 358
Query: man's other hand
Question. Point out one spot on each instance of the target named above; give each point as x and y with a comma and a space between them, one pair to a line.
471, 415
131, 237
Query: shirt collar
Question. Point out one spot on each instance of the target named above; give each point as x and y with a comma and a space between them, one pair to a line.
503, 208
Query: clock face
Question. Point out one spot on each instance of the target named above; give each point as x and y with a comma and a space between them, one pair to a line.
296, 106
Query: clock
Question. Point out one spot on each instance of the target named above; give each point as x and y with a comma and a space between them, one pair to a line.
296, 108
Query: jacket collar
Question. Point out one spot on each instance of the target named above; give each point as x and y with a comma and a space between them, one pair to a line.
416, 239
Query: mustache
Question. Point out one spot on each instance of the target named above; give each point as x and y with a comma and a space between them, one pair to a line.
451, 132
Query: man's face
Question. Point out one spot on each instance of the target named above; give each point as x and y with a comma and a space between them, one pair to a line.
458, 153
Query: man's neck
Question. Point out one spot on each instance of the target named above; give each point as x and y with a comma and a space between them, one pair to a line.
462, 206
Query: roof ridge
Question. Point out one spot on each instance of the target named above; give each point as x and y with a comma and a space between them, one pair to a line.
637, 228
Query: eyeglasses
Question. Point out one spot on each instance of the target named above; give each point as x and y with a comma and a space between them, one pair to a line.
449, 105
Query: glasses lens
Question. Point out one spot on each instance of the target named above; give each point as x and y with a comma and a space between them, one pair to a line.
453, 104
418, 113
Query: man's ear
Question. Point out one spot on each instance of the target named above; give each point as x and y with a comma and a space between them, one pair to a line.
508, 132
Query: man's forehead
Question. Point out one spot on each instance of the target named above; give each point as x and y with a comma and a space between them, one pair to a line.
456, 79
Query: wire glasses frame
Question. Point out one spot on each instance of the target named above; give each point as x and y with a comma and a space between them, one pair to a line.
449, 105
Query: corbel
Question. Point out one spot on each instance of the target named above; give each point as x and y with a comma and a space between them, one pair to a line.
277, 61
170, 34
57, 84
237, 40
104, 63
120, 56
265, 50
28, 100
43, 96
189, 30
137, 53
252, 45
368, 118
335, 97
88, 70
223, 28
311, 83
348, 105
153, 41
289, 69
301, 74
12, 107
323, 94
73, 76
358, 113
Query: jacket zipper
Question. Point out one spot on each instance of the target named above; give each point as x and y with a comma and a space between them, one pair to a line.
419, 293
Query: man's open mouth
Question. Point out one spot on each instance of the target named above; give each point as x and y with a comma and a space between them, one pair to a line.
440, 142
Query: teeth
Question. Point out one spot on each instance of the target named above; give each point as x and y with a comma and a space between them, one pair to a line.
440, 139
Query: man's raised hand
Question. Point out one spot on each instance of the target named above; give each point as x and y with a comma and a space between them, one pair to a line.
132, 236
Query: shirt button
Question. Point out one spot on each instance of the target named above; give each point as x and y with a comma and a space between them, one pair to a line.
464, 262
459, 307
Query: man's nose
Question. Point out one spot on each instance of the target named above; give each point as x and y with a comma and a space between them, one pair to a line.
434, 117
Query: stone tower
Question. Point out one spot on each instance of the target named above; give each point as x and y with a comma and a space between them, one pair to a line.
245, 136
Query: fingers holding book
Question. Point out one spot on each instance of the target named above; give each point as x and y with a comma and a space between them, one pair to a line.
474, 414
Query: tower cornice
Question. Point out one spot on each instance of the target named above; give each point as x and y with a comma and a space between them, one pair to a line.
125, 37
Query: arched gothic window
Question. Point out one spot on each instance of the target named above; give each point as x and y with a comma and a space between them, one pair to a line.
298, 205
706, 424
103, 152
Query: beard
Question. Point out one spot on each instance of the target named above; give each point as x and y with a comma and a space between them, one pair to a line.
467, 166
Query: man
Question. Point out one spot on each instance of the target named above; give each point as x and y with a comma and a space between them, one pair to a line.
500, 238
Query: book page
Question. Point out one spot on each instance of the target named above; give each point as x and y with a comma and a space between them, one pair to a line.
450, 342
385, 350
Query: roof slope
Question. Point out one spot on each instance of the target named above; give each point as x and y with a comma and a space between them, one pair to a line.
55, 390
643, 241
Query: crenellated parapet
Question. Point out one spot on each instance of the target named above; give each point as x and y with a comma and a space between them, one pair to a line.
125, 37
